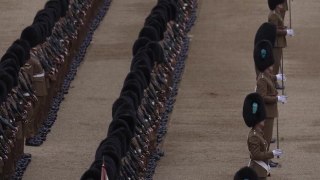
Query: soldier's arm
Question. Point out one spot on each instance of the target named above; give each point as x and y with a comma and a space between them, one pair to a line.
254, 148
281, 30
273, 77
262, 90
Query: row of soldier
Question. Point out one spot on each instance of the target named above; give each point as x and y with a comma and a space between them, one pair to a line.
260, 108
32, 72
141, 112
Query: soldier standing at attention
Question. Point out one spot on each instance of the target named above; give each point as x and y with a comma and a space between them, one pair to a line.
275, 17
254, 114
264, 61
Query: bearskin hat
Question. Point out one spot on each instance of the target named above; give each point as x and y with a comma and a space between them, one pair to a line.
157, 51
92, 174
26, 46
142, 58
122, 101
20, 52
32, 35
13, 73
138, 76
144, 72
263, 55
133, 85
134, 97
267, 31
56, 6
150, 33
253, 109
246, 173
273, 4
10, 62
157, 25
139, 44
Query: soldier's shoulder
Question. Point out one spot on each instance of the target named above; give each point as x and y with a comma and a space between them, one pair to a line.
261, 79
272, 16
252, 133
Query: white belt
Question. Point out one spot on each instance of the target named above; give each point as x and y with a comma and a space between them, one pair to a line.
39, 75
26, 94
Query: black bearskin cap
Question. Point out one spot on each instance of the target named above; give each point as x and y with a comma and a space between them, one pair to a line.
273, 4
56, 6
267, 31
32, 35
150, 33
138, 76
26, 46
92, 174
20, 52
122, 101
139, 44
246, 173
263, 55
253, 109
10, 62
133, 85
13, 73
158, 54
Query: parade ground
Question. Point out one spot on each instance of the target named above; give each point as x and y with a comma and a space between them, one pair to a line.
207, 137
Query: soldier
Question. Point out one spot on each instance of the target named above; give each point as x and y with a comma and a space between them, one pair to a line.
276, 7
254, 115
39, 86
264, 61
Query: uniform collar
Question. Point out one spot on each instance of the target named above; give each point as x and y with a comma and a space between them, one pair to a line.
258, 130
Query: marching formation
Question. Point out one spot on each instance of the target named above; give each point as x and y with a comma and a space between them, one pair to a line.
260, 108
141, 113
35, 73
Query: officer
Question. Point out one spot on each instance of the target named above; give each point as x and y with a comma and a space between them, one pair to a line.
275, 17
254, 115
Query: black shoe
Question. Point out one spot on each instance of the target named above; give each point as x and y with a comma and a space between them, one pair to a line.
33, 142
273, 164
26, 156
273, 140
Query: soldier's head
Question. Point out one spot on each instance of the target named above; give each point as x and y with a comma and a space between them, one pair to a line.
276, 4
263, 56
246, 173
254, 112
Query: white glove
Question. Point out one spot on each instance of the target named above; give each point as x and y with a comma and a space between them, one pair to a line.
277, 152
282, 99
290, 32
281, 77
